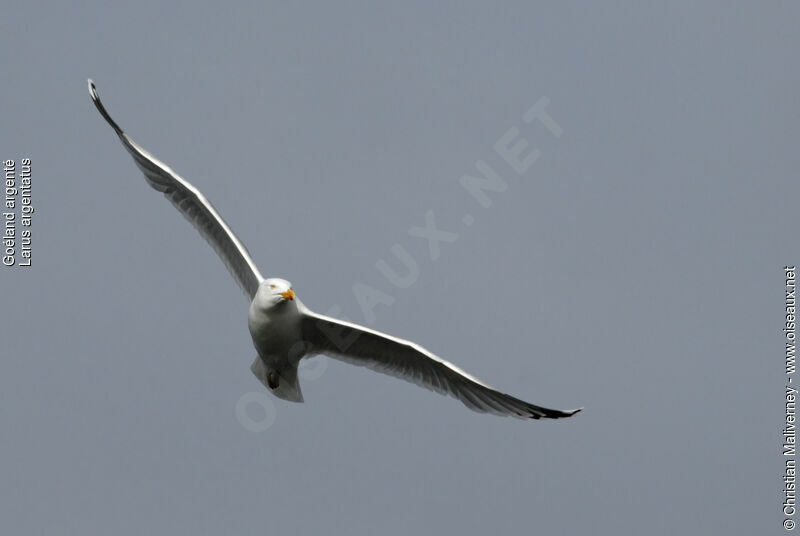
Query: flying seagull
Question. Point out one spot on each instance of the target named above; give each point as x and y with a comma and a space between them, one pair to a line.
284, 331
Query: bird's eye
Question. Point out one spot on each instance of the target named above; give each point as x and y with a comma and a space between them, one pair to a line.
273, 287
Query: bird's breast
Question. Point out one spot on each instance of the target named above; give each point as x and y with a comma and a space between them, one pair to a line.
276, 332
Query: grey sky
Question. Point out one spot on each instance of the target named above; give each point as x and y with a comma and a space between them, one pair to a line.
634, 269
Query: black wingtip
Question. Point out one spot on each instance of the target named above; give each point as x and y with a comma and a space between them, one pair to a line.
556, 414
101, 108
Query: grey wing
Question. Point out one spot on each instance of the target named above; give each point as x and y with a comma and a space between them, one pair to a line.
403, 359
194, 207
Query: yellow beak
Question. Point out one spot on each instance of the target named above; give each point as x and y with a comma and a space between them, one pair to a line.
289, 294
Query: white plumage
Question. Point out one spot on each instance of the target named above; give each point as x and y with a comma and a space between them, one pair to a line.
284, 331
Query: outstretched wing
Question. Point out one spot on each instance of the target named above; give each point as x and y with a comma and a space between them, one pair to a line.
194, 207
403, 359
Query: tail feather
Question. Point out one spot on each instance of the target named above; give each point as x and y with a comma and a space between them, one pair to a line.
288, 386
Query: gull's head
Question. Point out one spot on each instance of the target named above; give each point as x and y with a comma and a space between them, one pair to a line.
275, 290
